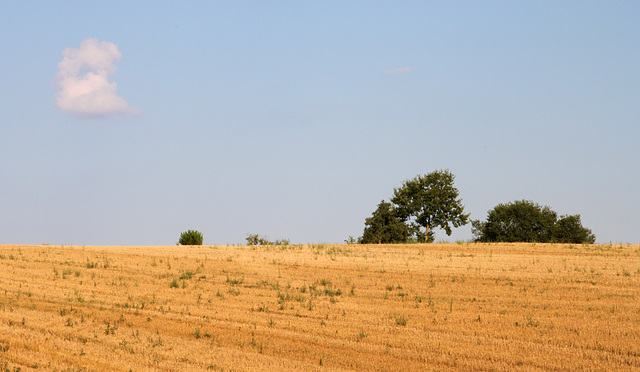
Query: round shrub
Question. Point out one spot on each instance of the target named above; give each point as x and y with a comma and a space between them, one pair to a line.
191, 237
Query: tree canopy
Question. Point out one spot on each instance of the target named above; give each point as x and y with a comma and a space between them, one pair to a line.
569, 229
384, 226
526, 221
429, 201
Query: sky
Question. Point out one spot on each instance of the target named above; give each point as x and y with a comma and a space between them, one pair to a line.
127, 123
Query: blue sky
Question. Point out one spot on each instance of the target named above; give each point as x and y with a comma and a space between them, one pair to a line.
294, 119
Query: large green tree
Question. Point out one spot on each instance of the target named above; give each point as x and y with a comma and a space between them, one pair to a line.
430, 201
384, 226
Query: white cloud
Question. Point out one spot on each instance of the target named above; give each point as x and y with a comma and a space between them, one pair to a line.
83, 77
399, 70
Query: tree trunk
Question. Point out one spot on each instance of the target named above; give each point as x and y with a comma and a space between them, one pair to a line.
426, 235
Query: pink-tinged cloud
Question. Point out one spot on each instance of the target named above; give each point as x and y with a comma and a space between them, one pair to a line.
83, 78
399, 70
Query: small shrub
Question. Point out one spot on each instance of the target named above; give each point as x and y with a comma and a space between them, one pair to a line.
186, 275
234, 281
255, 239
191, 237
362, 334
352, 240
401, 320
174, 284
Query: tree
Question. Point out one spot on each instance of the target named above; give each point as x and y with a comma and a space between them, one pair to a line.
569, 229
384, 226
526, 221
191, 237
430, 201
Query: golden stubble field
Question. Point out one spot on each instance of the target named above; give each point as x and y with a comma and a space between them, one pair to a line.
435, 307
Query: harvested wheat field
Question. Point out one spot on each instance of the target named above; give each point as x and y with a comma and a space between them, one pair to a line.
320, 307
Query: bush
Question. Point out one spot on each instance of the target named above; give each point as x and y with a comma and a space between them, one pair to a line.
519, 221
526, 221
569, 229
255, 239
191, 237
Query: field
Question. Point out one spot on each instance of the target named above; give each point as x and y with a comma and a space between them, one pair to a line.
428, 307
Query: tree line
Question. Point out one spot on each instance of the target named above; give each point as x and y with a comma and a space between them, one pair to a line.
431, 201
